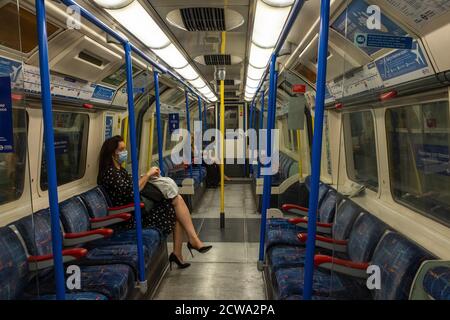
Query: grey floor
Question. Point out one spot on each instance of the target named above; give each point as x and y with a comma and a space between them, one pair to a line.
228, 271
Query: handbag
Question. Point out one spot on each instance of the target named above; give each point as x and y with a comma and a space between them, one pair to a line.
152, 192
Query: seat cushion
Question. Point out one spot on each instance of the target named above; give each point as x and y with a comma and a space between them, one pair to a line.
346, 215
436, 283
283, 236
286, 257
96, 203
290, 282
76, 296
116, 282
150, 237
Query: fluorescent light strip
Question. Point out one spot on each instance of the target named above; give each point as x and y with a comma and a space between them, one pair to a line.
264, 38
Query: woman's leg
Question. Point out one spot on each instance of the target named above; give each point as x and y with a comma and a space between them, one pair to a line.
178, 240
184, 218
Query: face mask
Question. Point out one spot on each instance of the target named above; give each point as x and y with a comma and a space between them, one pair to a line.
122, 156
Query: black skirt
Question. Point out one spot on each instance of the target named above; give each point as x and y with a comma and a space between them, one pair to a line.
162, 217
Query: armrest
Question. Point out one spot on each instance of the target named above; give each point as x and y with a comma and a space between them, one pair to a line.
123, 209
42, 262
326, 242
348, 267
325, 228
296, 209
72, 239
109, 220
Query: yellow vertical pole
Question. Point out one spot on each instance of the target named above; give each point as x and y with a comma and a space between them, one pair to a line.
150, 145
222, 140
300, 163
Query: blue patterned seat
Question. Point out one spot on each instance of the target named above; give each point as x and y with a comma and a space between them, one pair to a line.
75, 219
399, 260
15, 276
116, 279
290, 282
436, 283
281, 232
365, 234
97, 203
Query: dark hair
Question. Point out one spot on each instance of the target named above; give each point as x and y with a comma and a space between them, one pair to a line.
107, 152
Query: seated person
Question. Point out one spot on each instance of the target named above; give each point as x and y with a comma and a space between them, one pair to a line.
170, 214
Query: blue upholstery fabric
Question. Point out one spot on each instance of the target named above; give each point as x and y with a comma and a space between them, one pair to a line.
116, 254
290, 282
13, 265
347, 213
281, 257
151, 239
399, 259
96, 203
328, 207
323, 190
36, 232
74, 215
113, 281
76, 296
436, 283
283, 236
364, 237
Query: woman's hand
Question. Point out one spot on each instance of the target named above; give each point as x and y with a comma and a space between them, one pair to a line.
153, 172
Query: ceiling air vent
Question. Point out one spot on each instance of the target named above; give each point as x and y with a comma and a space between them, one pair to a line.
203, 19
228, 82
217, 59
88, 57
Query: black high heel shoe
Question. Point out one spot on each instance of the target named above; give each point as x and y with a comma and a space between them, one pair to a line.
174, 258
201, 250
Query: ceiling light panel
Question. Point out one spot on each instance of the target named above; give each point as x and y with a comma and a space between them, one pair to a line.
259, 57
266, 34
137, 20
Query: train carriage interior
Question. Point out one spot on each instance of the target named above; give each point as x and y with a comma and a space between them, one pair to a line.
309, 140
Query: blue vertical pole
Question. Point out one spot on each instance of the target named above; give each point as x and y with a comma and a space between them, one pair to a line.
158, 122
261, 126
201, 131
50, 150
267, 188
205, 114
317, 148
188, 126
134, 168
250, 126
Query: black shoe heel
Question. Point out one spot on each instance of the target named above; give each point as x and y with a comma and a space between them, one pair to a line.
174, 258
201, 250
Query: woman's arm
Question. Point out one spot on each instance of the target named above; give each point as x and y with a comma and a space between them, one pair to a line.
154, 171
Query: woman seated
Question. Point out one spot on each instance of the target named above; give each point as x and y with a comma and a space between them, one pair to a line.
169, 215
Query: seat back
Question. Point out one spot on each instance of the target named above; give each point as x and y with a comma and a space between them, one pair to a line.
14, 275
36, 232
74, 215
328, 207
398, 259
436, 283
364, 237
96, 202
346, 214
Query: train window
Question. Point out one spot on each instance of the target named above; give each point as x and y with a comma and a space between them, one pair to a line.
71, 136
418, 149
169, 143
10, 19
361, 157
12, 165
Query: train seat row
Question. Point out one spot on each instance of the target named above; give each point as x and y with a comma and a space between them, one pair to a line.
107, 258
349, 240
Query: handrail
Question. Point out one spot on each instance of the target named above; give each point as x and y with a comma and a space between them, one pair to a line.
100, 24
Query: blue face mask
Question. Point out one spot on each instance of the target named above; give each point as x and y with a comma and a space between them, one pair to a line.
122, 156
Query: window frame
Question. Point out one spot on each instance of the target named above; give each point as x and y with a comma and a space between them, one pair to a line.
41, 151
348, 147
388, 155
